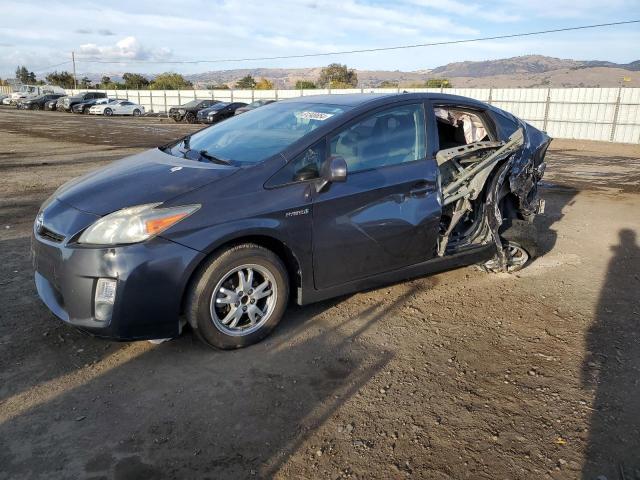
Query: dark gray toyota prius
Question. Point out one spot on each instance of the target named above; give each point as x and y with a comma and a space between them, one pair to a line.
307, 198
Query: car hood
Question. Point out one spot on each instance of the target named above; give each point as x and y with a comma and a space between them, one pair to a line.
149, 177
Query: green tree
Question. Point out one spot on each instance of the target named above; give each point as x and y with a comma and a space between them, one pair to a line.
169, 81
135, 81
264, 84
305, 85
337, 76
85, 82
438, 83
218, 86
61, 79
389, 84
24, 75
246, 82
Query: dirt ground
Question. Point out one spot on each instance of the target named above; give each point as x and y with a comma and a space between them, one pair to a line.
459, 375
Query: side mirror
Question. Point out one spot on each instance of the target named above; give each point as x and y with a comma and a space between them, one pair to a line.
334, 169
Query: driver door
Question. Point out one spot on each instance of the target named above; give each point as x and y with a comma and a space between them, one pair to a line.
386, 214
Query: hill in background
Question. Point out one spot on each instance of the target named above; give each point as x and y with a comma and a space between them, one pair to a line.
525, 72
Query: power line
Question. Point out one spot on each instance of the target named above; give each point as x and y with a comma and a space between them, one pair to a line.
51, 66
367, 50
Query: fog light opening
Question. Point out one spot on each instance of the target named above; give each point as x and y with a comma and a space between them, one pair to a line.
104, 299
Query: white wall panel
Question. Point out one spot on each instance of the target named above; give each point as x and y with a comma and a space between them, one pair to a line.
627, 134
581, 113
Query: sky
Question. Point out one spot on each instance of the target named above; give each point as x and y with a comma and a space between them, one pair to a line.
137, 34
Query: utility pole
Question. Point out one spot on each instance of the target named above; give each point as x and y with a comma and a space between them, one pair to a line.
73, 60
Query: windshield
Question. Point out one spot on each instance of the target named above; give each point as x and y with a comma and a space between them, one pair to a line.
263, 132
217, 106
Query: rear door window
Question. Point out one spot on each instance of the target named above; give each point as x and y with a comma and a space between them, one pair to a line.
388, 137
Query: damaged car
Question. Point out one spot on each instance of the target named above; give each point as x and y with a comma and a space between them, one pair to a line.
302, 200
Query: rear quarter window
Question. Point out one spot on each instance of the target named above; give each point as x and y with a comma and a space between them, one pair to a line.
505, 125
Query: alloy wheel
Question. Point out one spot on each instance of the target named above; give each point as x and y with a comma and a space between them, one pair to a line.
517, 257
243, 300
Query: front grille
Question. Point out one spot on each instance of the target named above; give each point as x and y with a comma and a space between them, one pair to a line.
49, 234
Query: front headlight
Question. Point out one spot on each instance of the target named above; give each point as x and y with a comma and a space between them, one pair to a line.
134, 224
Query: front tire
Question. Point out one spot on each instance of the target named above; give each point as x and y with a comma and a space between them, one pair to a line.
190, 117
238, 297
137, 113
108, 112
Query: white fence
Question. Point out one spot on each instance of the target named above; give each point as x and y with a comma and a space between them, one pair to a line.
605, 114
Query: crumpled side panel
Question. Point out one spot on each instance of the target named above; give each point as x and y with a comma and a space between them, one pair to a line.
527, 169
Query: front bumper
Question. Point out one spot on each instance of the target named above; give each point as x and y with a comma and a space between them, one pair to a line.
151, 277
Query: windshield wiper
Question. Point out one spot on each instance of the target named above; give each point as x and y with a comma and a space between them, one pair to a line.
211, 158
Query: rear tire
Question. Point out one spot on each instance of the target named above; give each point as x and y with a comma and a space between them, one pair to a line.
520, 242
522, 233
108, 112
222, 310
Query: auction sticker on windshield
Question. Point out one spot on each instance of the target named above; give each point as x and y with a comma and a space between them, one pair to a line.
314, 115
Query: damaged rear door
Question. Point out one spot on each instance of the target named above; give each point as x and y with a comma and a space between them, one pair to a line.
470, 149
489, 165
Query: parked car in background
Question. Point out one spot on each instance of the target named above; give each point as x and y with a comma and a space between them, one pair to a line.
69, 102
51, 104
60, 104
32, 91
83, 107
3, 96
219, 112
253, 105
38, 103
189, 111
304, 199
117, 107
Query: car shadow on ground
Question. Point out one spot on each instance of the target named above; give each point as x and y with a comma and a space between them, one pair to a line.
557, 198
611, 368
183, 410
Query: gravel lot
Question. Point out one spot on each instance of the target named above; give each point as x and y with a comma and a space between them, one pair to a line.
459, 375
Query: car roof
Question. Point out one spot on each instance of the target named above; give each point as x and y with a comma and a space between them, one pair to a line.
348, 99
359, 99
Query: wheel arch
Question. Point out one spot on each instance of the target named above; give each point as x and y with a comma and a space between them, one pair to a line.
276, 245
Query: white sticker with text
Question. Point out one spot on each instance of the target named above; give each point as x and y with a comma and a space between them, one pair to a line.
314, 115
